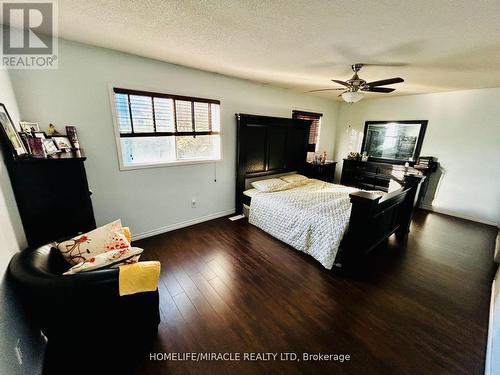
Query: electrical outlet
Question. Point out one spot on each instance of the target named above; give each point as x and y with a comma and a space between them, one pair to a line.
193, 202
19, 353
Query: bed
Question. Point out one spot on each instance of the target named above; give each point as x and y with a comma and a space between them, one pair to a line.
333, 223
311, 217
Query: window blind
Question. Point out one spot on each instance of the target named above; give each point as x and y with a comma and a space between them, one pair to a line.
315, 125
147, 114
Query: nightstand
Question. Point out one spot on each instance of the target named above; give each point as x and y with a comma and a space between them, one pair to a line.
324, 172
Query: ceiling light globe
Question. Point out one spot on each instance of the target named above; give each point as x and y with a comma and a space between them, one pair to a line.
352, 96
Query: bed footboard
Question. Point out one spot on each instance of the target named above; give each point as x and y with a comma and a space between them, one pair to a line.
375, 218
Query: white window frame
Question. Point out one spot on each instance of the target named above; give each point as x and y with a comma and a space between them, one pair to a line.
116, 126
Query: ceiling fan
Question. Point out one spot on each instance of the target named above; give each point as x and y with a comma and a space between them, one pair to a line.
354, 88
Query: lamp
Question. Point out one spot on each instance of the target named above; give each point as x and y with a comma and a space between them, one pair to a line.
352, 96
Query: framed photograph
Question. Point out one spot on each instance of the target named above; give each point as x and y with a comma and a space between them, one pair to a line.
28, 127
49, 146
36, 147
395, 141
10, 133
73, 136
40, 135
24, 138
62, 143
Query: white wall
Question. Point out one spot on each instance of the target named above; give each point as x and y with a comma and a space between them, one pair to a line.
15, 329
148, 199
11, 231
463, 133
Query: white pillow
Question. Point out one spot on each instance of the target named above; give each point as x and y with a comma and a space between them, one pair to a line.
271, 184
293, 178
106, 238
111, 258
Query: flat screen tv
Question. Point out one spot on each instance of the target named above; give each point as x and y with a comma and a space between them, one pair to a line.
394, 141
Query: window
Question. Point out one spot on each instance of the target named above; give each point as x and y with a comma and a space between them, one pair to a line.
315, 126
162, 129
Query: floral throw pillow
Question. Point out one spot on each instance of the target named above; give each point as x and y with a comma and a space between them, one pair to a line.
111, 258
106, 238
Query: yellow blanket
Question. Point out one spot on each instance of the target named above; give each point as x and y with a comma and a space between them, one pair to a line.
138, 277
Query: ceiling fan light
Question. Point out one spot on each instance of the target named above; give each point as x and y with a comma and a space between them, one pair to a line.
352, 96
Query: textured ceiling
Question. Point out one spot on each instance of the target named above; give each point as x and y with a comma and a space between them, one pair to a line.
436, 45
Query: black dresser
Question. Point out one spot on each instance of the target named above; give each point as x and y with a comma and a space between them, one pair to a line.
370, 175
324, 172
52, 196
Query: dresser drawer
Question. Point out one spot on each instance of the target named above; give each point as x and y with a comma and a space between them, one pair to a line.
366, 168
372, 175
366, 175
359, 179
355, 166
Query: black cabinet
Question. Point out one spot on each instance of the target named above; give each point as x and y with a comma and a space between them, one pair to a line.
324, 172
370, 175
53, 196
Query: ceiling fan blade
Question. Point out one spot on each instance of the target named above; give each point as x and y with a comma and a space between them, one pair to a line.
340, 88
384, 82
383, 64
378, 89
341, 82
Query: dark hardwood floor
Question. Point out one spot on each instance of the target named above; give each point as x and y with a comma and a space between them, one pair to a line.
414, 307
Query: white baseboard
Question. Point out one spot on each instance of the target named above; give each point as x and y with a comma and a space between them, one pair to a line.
457, 214
182, 224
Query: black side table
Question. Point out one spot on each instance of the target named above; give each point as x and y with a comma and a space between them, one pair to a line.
324, 172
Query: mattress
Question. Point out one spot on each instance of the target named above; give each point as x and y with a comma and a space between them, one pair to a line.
311, 217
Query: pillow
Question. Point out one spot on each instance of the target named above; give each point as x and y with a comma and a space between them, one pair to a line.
293, 178
272, 184
112, 258
106, 238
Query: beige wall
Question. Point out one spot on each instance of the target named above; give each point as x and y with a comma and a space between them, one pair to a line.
463, 133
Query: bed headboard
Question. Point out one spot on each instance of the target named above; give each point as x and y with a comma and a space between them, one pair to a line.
266, 146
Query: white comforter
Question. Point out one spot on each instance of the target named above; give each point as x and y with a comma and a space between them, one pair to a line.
312, 217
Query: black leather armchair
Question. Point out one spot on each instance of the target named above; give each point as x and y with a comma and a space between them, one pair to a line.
82, 311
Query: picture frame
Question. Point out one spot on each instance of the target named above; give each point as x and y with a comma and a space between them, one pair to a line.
396, 141
10, 133
73, 136
37, 148
62, 142
40, 135
28, 127
49, 146
24, 138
